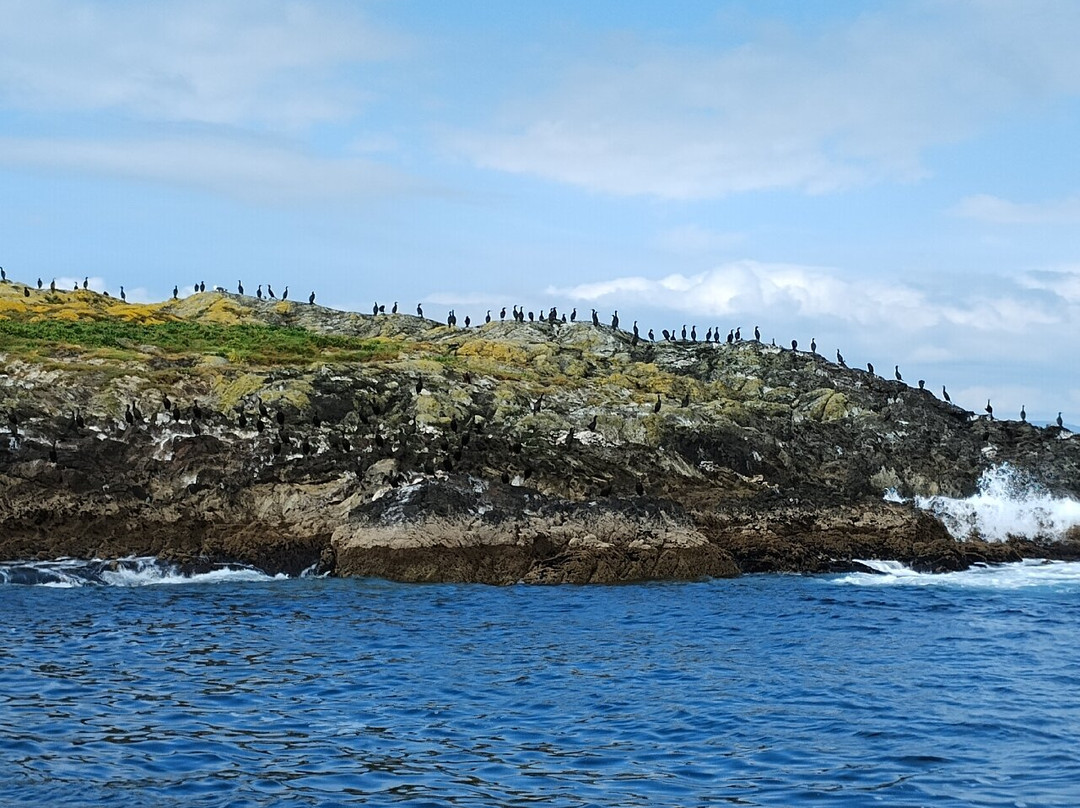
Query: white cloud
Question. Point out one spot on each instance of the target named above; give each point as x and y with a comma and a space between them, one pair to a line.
817, 110
995, 210
1064, 283
824, 294
243, 169
279, 63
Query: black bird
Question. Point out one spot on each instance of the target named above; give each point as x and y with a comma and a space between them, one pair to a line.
595, 318
260, 425
664, 331
13, 419
242, 420
262, 409
276, 448
531, 318
502, 314
573, 315
686, 401
989, 409
419, 386
26, 291
76, 286
505, 477
487, 317
419, 310
453, 423
592, 424
538, 403
813, 346
635, 328
634, 341
840, 359
136, 411
468, 321
656, 406
639, 488
280, 417
615, 320
3, 275
569, 437
258, 292
285, 294
757, 334
86, 282
945, 394
39, 283
896, 372
382, 309
196, 411
239, 287
794, 345
1023, 414
79, 422
652, 336
122, 295
738, 334
870, 368
708, 335
1060, 423
129, 416
922, 384
345, 445
202, 286
311, 299
52, 285
270, 291
683, 333
316, 421
52, 453
730, 336
393, 310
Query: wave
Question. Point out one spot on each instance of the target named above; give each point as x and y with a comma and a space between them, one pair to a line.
1009, 503
133, 571
1019, 575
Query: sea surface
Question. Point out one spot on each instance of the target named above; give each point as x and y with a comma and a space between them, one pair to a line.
136, 686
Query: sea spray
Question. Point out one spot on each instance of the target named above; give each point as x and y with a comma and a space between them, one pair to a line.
133, 571
1008, 503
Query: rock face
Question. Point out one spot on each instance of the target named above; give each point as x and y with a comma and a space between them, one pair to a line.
399, 447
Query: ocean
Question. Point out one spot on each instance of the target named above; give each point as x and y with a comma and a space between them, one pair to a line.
139, 687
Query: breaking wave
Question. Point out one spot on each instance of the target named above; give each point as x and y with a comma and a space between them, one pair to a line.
1008, 503
1032, 573
147, 571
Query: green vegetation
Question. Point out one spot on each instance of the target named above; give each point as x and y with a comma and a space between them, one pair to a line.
246, 343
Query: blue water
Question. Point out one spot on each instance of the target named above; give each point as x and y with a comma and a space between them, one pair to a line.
767, 690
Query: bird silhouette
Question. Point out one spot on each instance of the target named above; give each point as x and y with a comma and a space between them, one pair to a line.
896, 372
945, 394
989, 409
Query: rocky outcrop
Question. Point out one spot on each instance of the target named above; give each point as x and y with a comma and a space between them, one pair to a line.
398, 447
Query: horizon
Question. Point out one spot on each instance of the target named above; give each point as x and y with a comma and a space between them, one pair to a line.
892, 179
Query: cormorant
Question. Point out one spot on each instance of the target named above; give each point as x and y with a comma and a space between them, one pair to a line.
239, 287
202, 286
738, 334
52, 453
794, 345
757, 334
538, 403
945, 394
569, 437
3, 275
683, 333
136, 411
122, 295
258, 292
52, 285
86, 282
989, 409
840, 359
262, 409
39, 283
487, 317
505, 477
311, 299
639, 488
573, 315
1060, 423
686, 401
276, 448
176, 292
502, 314
419, 385
196, 411
656, 406
419, 310
730, 336
129, 416
634, 341
708, 335
270, 291
652, 336
595, 318
280, 417
896, 372
345, 445
467, 378
531, 317
813, 346
592, 424
468, 321
242, 420
76, 286
453, 422
615, 320
79, 422
870, 368
922, 384
1023, 414
26, 291
260, 425
285, 294
316, 421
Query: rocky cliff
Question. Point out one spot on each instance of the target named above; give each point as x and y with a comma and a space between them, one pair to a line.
291, 436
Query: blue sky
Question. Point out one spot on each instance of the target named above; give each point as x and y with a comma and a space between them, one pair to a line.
897, 179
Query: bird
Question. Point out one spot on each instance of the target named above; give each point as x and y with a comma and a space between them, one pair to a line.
419, 386
39, 283
652, 336
683, 333
813, 346
122, 295
316, 421
731, 336
592, 424
487, 317
531, 317
196, 411
79, 421
176, 292
693, 333
989, 409
26, 291
1060, 423
280, 417
52, 285
239, 287
263, 412
896, 372
1023, 413
686, 400
136, 411
258, 292
615, 319
311, 299
757, 334
595, 318
86, 282
794, 345
922, 384
573, 314
3, 275
502, 314
945, 394
538, 403
870, 368
285, 294
129, 416
840, 359
241, 421
420, 310
639, 488
635, 328
656, 406
52, 453
738, 334
202, 286
468, 321
270, 291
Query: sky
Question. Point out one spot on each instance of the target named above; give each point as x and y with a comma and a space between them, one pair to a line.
897, 180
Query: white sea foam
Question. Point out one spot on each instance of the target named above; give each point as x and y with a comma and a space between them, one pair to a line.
1008, 503
1021, 575
70, 573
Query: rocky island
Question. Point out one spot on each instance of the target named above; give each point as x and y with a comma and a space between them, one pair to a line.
289, 436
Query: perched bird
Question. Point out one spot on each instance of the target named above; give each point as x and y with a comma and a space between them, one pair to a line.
79, 421
693, 333
757, 334
686, 400
86, 283
3, 275
896, 372
502, 314
595, 318
311, 299
316, 421
419, 310
26, 291
1060, 423
52, 285
656, 406
738, 334
813, 346
419, 386
1023, 413
945, 394
505, 477
538, 403
202, 286
840, 359
280, 417
196, 411
794, 345
592, 424
487, 317
239, 287
241, 421
52, 453
652, 336
683, 333
263, 412
285, 294
731, 336
573, 315
639, 488
129, 416
394, 309
989, 409
664, 331
615, 319
258, 292
270, 291
870, 368
122, 295
922, 384
468, 321
39, 283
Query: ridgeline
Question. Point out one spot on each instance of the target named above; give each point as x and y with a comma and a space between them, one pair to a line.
290, 436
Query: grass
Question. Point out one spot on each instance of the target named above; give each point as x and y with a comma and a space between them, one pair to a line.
245, 343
